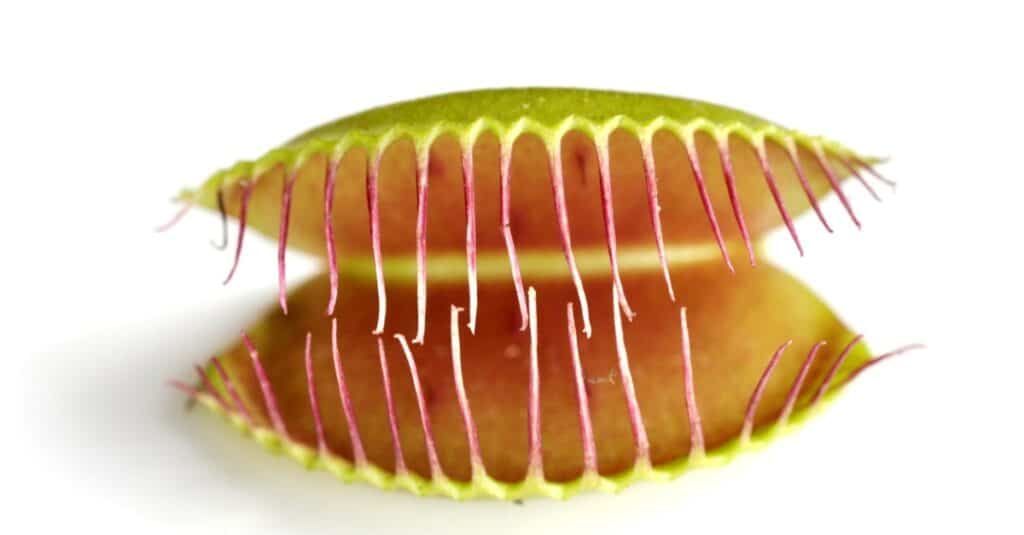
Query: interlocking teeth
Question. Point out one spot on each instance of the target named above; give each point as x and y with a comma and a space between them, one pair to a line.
400, 467
423, 164
186, 206
773, 187
583, 403
636, 420
332, 256
469, 194
856, 174
734, 198
475, 458
562, 216
879, 359
608, 213
506, 230
269, 400
819, 156
794, 160
816, 149
282, 242
434, 463
755, 398
692, 412
243, 212
207, 386
314, 403
535, 472
535, 466
229, 385
871, 169
818, 394
223, 244
654, 207
702, 190
358, 451
794, 390
373, 206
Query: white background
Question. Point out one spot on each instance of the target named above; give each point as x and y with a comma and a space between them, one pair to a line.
106, 110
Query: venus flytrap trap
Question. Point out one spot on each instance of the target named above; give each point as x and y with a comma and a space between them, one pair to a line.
472, 238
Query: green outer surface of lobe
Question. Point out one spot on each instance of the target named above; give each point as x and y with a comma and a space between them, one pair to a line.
544, 105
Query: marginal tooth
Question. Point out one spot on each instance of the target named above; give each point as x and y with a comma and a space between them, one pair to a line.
423, 168
189, 390
755, 398
734, 199
643, 449
243, 213
240, 405
794, 159
282, 242
269, 401
650, 175
223, 222
535, 466
608, 212
878, 359
769, 177
475, 459
396, 442
314, 404
178, 216
834, 369
373, 205
562, 214
794, 391
692, 412
436, 471
506, 229
698, 176
358, 452
853, 171
819, 156
871, 169
209, 388
469, 193
332, 255
586, 427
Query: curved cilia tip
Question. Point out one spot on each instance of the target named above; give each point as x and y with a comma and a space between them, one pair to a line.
482, 250
176, 218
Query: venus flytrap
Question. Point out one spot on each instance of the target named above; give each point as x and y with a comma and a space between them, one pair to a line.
487, 225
